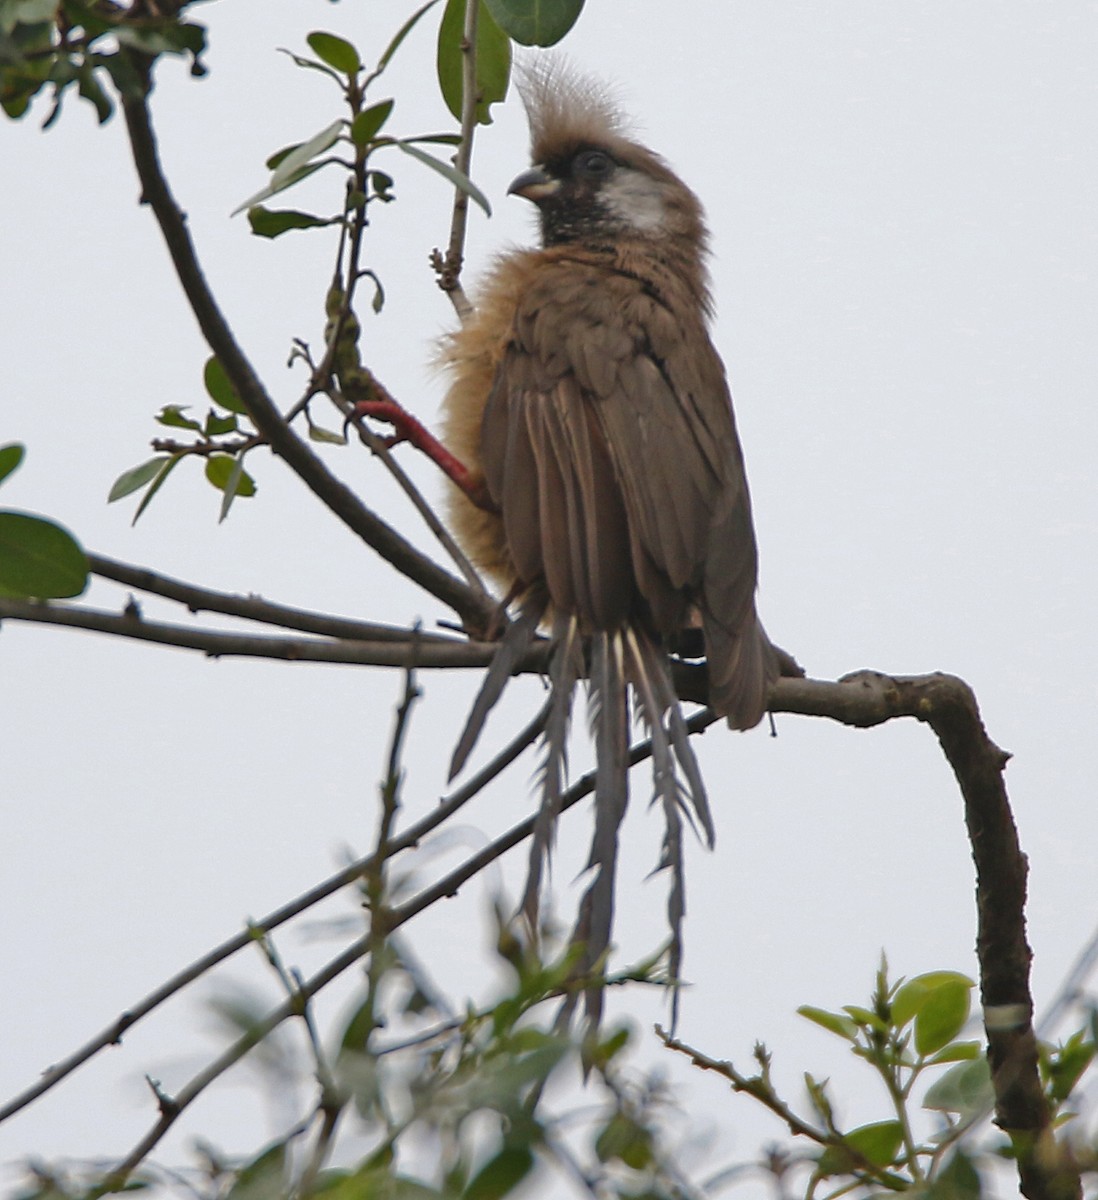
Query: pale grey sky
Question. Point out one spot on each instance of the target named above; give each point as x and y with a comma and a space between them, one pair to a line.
901, 199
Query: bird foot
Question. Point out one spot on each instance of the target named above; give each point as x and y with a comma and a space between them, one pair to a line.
409, 429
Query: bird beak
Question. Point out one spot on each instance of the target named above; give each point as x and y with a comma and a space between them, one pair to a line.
536, 185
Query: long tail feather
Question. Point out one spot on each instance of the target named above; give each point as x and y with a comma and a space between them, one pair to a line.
520, 633
609, 717
565, 668
664, 691
655, 697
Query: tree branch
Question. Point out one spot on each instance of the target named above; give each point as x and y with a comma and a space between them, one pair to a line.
251, 607
380, 536
426, 650
448, 267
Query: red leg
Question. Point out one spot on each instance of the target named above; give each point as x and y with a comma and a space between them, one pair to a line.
412, 431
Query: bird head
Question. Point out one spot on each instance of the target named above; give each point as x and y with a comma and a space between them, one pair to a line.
592, 183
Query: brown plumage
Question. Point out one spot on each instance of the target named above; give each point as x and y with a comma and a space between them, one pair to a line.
587, 392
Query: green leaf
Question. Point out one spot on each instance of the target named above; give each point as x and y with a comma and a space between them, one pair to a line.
365, 126
39, 559
135, 478
457, 178
217, 425
833, 1022
91, 90
318, 433
493, 66
25, 12
11, 456
942, 1016
964, 1088
296, 164
877, 1143
168, 467
535, 22
335, 51
172, 415
305, 153
382, 185
501, 1174
270, 223
817, 1094
263, 1178
312, 65
913, 995
219, 389
625, 1139
436, 139
957, 1180
1064, 1067
280, 155
401, 34
865, 1017
165, 37
226, 473
958, 1052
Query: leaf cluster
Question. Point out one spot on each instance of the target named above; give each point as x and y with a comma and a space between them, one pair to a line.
74, 43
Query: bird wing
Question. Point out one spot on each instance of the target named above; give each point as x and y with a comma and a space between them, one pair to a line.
609, 445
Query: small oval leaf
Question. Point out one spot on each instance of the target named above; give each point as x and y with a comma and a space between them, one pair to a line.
911, 997
335, 51
38, 559
270, 223
10, 457
877, 1143
942, 1016
135, 478
535, 22
965, 1088
501, 1174
368, 123
174, 416
833, 1022
219, 389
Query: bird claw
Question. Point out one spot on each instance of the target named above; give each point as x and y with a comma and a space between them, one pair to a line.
409, 429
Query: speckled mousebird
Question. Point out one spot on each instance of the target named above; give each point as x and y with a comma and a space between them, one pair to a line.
588, 397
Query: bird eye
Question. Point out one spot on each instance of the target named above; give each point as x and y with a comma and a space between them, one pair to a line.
594, 164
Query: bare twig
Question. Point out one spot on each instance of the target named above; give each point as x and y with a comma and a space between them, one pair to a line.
251, 607
431, 651
449, 267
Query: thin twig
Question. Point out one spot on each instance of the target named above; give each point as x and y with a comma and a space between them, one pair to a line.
759, 1086
433, 651
251, 607
450, 266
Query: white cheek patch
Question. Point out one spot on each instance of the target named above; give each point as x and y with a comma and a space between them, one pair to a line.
635, 199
